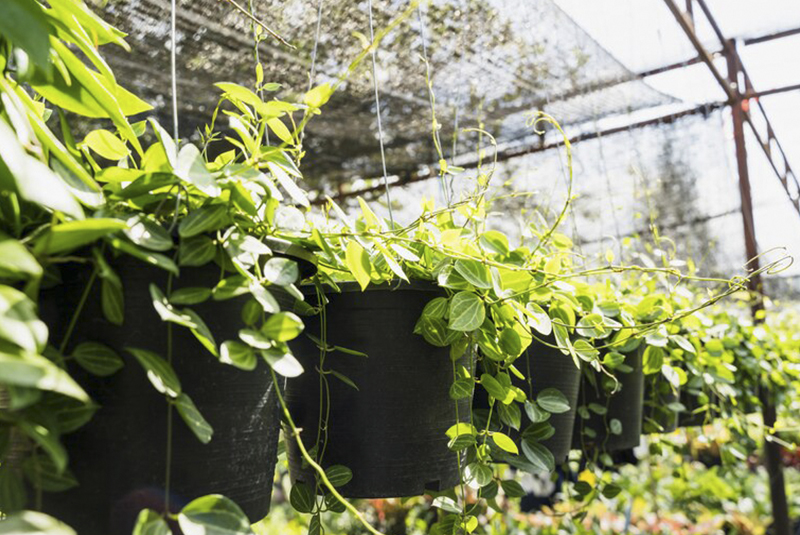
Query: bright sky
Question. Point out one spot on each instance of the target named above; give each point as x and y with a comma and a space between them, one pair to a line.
642, 34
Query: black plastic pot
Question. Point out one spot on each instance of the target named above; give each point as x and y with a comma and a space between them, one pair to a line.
624, 405
658, 396
547, 367
391, 431
120, 456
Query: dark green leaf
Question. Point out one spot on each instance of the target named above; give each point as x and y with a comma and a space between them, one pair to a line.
12, 491
159, 371
97, 358
475, 273
196, 251
191, 415
553, 401
512, 488
42, 473
538, 455
33, 523
302, 498
190, 296
203, 220
339, 475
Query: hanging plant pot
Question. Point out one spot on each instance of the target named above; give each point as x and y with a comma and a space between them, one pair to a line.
660, 400
606, 421
120, 456
388, 426
547, 367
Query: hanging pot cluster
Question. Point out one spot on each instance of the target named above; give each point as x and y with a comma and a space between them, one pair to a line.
611, 420
388, 426
121, 456
546, 367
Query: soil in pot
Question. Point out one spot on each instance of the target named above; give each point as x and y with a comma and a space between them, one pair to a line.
598, 412
120, 456
546, 367
391, 431
660, 399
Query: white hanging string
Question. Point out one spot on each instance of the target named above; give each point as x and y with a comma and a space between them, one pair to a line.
313, 73
378, 113
173, 65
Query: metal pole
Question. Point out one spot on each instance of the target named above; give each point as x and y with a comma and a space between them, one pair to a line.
772, 450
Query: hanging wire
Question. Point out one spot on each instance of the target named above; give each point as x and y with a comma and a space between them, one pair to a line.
378, 113
173, 56
313, 72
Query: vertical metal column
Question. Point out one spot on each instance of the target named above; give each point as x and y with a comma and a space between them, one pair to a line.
772, 450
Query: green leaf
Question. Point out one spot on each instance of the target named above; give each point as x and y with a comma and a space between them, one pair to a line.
19, 323
493, 387
24, 24
72, 235
461, 389
357, 261
191, 415
16, 261
191, 168
150, 522
475, 273
33, 523
280, 130
190, 296
196, 251
553, 401
611, 490
338, 475
615, 426
281, 271
683, 343
48, 440
504, 442
345, 379
495, 242
238, 354
12, 490
42, 473
282, 177
302, 498
436, 333
264, 298
510, 342
167, 312
318, 96
535, 413
145, 232
538, 319
112, 299
481, 474
34, 371
282, 362
154, 259
97, 358
203, 220
512, 488
466, 312
283, 326
159, 371
201, 331
213, 515
435, 308
446, 503
106, 144
538, 455
652, 359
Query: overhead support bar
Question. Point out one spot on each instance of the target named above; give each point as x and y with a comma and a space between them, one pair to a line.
516, 152
767, 140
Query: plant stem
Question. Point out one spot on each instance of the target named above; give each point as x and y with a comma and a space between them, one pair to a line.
78, 309
257, 21
317, 468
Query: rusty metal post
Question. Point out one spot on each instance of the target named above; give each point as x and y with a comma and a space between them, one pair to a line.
772, 450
